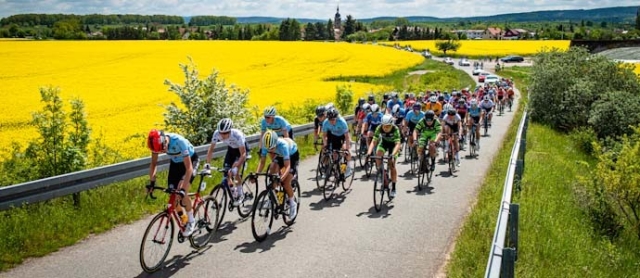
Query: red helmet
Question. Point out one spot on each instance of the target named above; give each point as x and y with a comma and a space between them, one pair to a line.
155, 141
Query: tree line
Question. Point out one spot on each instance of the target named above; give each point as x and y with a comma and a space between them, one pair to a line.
31, 20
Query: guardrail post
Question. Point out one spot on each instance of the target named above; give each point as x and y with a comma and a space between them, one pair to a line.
514, 216
518, 177
76, 200
507, 269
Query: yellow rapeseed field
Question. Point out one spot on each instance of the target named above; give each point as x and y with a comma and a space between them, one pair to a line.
637, 70
490, 47
121, 82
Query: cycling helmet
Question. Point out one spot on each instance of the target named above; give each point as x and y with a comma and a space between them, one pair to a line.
486, 98
461, 101
320, 110
433, 99
385, 96
394, 95
371, 98
451, 112
269, 139
406, 95
447, 107
387, 120
225, 125
429, 115
332, 113
417, 106
395, 109
375, 108
155, 140
366, 107
474, 103
270, 111
329, 106
360, 101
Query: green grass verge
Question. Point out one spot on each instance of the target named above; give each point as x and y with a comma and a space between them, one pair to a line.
39, 229
556, 238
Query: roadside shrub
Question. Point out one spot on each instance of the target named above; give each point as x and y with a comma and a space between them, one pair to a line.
204, 103
344, 99
583, 138
615, 113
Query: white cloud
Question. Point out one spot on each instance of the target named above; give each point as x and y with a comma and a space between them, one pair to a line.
320, 9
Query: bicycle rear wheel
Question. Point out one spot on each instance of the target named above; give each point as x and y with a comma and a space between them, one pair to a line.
156, 242
201, 236
378, 190
414, 161
262, 216
319, 171
346, 185
220, 194
362, 151
295, 186
422, 172
249, 191
451, 159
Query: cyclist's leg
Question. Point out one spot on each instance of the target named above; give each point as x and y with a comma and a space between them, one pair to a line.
392, 163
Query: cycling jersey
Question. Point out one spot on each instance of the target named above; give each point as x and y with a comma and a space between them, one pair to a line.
279, 125
486, 105
391, 103
285, 147
413, 117
317, 123
435, 107
461, 109
373, 121
427, 132
392, 136
179, 147
475, 112
235, 140
338, 129
452, 120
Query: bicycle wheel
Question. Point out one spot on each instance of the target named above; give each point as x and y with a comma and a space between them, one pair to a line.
220, 194
330, 182
407, 152
249, 191
414, 161
472, 143
422, 172
156, 242
362, 152
486, 125
205, 215
213, 213
378, 191
349, 180
368, 167
296, 194
319, 171
262, 216
451, 159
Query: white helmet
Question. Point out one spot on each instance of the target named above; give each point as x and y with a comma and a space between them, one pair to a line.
447, 107
387, 119
366, 107
474, 102
225, 125
329, 106
433, 99
395, 109
375, 108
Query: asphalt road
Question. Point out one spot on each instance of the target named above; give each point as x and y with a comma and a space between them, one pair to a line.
345, 237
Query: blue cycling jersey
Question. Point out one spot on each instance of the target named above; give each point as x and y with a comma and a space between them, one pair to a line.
414, 117
401, 114
338, 129
285, 147
279, 125
391, 103
179, 147
475, 112
371, 120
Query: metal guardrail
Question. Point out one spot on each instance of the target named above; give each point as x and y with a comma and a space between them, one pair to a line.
67, 184
504, 246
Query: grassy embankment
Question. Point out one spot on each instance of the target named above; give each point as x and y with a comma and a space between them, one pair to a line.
555, 235
39, 229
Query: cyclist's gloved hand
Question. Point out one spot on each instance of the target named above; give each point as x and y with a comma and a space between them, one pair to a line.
150, 186
182, 193
207, 166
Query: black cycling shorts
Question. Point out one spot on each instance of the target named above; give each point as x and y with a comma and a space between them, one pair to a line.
335, 142
233, 155
177, 171
293, 160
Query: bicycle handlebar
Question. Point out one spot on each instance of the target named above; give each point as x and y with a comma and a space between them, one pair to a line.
151, 188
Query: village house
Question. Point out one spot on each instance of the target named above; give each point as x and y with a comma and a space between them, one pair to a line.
492, 33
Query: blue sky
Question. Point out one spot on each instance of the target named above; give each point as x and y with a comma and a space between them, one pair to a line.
320, 9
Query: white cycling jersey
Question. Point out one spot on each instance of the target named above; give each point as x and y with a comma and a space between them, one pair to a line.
235, 139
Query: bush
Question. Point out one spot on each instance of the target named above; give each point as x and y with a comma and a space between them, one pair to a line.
615, 113
583, 138
207, 101
344, 99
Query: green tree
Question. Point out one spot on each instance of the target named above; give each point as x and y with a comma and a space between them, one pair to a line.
344, 98
310, 32
204, 103
447, 45
638, 19
349, 26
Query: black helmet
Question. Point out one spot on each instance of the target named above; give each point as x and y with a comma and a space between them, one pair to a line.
406, 95
385, 96
441, 98
320, 110
360, 101
371, 98
429, 115
451, 112
332, 113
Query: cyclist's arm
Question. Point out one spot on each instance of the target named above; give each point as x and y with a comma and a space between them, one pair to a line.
241, 159
152, 166
397, 141
212, 146
263, 158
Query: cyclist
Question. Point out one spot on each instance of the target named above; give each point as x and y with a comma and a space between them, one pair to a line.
474, 114
487, 107
371, 99
427, 130
500, 95
357, 111
235, 157
387, 139
276, 123
317, 121
284, 152
510, 94
336, 135
182, 166
462, 108
383, 104
392, 102
452, 127
371, 122
398, 113
412, 118
433, 105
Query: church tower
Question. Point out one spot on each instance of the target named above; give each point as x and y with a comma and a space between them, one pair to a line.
337, 25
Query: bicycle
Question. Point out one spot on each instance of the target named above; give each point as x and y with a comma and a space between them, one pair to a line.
271, 204
223, 195
424, 168
381, 182
485, 124
205, 211
450, 155
321, 165
509, 103
500, 107
335, 169
361, 150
